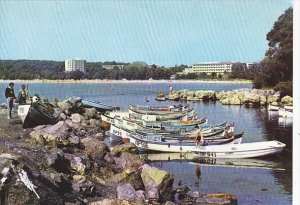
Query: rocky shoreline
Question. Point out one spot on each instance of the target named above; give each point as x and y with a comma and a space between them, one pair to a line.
70, 163
252, 97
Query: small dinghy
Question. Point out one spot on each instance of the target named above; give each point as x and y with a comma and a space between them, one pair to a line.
36, 113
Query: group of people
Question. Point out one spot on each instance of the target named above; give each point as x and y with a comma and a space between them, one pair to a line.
10, 97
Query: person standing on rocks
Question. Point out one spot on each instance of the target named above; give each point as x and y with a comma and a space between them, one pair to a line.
170, 89
10, 96
23, 95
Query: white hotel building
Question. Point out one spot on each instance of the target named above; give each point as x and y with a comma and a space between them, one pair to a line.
73, 65
210, 67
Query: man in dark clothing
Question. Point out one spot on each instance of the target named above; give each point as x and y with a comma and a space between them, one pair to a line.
10, 96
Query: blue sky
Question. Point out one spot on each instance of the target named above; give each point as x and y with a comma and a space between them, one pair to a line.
157, 32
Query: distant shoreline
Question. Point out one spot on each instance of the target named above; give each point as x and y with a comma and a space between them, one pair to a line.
126, 81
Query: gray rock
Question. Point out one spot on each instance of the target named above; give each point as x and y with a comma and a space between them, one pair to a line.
90, 113
94, 147
77, 118
128, 147
129, 160
94, 123
160, 180
126, 192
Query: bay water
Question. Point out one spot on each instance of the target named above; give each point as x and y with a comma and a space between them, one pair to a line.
253, 181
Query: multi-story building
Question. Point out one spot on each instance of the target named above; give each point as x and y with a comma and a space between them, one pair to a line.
110, 67
73, 65
210, 67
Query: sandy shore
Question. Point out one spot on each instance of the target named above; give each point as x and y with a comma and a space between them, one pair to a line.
126, 81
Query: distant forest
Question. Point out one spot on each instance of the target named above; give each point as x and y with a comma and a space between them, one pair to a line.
36, 69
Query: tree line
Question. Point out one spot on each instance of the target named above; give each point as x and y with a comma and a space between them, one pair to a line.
37, 69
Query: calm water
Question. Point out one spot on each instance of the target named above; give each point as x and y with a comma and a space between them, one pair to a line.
263, 181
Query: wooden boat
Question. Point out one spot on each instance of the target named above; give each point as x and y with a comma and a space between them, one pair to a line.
272, 108
36, 114
152, 111
170, 116
243, 150
158, 143
108, 118
173, 125
283, 112
101, 107
175, 108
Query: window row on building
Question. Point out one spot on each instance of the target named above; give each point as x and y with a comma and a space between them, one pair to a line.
73, 65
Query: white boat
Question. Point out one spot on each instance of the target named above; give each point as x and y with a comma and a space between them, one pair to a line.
23, 110
283, 112
272, 107
244, 150
108, 118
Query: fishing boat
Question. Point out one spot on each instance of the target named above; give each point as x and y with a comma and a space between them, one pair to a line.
283, 112
108, 118
243, 150
272, 107
173, 125
35, 114
159, 143
158, 111
101, 107
169, 116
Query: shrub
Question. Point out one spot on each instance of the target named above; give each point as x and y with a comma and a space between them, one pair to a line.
285, 88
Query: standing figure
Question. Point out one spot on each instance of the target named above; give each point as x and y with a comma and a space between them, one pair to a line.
10, 96
199, 136
23, 95
170, 89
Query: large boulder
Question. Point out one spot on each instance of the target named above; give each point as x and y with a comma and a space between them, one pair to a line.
52, 135
157, 181
94, 148
77, 118
90, 113
287, 100
272, 98
126, 192
129, 160
128, 147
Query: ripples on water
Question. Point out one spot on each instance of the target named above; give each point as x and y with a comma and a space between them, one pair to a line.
252, 185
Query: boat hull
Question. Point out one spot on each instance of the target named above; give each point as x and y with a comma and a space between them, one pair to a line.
36, 116
245, 150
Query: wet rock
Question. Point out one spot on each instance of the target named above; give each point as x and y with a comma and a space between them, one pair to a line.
93, 147
129, 147
156, 180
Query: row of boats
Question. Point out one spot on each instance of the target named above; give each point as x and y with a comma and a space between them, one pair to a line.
171, 129
162, 129
285, 111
